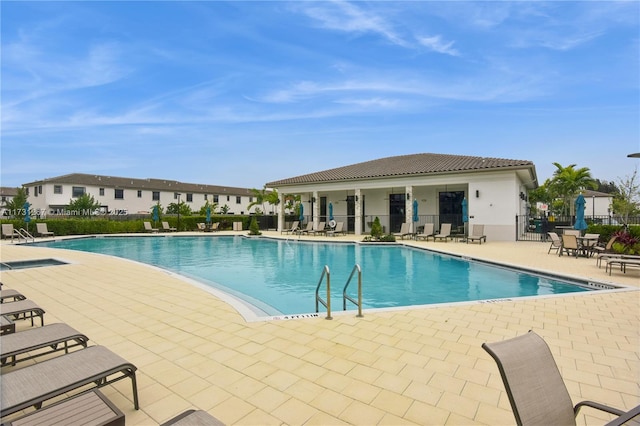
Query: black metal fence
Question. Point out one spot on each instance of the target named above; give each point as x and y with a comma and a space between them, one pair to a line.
535, 228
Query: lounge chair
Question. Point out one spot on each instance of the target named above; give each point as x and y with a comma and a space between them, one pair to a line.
88, 408
604, 250
556, 242
167, 228
12, 294
43, 230
320, 229
623, 262
533, 383
7, 326
149, 228
427, 232
201, 226
193, 418
339, 229
404, 231
8, 231
294, 227
22, 309
575, 232
445, 232
26, 387
477, 234
569, 245
55, 337
306, 230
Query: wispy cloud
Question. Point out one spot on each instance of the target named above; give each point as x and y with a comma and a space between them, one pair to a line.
436, 44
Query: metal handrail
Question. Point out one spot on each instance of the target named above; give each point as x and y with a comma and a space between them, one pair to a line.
346, 297
26, 234
326, 303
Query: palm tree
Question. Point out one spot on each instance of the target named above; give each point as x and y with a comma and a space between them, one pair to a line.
568, 181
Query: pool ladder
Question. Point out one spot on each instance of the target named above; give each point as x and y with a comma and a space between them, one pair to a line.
327, 303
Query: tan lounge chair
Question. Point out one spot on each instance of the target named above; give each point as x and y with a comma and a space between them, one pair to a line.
25, 387
149, 228
294, 227
320, 229
201, 226
306, 230
167, 228
477, 234
8, 231
43, 230
12, 294
193, 418
535, 388
445, 232
556, 242
404, 231
339, 229
22, 309
623, 262
569, 245
427, 232
6, 325
53, 337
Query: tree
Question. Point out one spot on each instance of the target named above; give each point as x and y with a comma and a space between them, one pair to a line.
627, 202
183, 208
567, 182
84, 205
212, 206
260, 198
15, 206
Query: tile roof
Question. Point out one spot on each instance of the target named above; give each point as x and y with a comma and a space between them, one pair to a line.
148, 184
406, 165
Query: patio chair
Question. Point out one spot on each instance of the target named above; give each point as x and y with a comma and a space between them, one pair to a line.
8, 231
339, 229
294, 227
569, 245
43, 230
444, 234
404, 231
533, 383
167, 228
201, 226
25, 387
556, 242
320, 229
602, 251
12, 294
193, 417
53, 337
427, 232
215, 226
306, 230
22, 309
149, 228
6, 325
477, 234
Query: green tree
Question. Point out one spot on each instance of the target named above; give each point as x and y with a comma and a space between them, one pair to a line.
84, 205
183, 208
567, 182
259, 198
254, 229
203, 209
376, 228
15, 206
627, 202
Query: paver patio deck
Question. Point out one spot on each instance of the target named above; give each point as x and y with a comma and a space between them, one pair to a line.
409, 366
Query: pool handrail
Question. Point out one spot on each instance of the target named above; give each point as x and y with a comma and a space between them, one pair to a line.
346, 297
326, 303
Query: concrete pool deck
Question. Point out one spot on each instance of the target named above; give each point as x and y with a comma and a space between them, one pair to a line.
416, 366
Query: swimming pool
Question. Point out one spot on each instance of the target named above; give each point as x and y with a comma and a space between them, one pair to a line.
279, 277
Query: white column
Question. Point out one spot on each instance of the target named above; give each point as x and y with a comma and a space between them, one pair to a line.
408, 202
316, 210
358, 211
281, 212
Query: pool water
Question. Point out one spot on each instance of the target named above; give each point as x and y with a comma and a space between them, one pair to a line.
280, 277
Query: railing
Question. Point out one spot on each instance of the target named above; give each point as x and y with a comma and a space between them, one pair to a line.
346, 297
535, 228
326, 303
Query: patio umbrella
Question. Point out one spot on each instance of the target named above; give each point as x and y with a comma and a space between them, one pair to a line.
580, 222
208, 220
301, 213
330, 211
156, 215
415, 210
27, 218
465, 211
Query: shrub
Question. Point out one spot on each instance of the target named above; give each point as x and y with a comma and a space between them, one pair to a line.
376, 228
254, 229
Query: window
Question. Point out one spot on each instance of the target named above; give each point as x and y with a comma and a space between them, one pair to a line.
175, 195
155, 196
57, 189
40, 189
101, 192
189, 198
238, 199
35, 191
78, 191
205, 197
139, 193
215, 198
119, 194
228, 198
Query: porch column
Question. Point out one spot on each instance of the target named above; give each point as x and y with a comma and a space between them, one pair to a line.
358, 212
316, 209
281, 212
408, 203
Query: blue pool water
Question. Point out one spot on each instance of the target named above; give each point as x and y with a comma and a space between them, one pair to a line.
281, 276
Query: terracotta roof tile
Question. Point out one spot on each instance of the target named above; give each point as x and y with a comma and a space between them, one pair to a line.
405, 165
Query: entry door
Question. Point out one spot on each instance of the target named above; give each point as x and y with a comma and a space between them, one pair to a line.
396, 212
451, 208
351, 213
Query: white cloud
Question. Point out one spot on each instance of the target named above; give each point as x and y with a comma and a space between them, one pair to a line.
436, 44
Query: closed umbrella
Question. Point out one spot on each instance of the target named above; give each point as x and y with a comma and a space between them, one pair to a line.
156, 214
208, 220
330, 211
301, 213
415, 211
27, 217
580, 206
465, 215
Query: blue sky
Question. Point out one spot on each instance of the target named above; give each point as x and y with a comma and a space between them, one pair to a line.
243, 93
